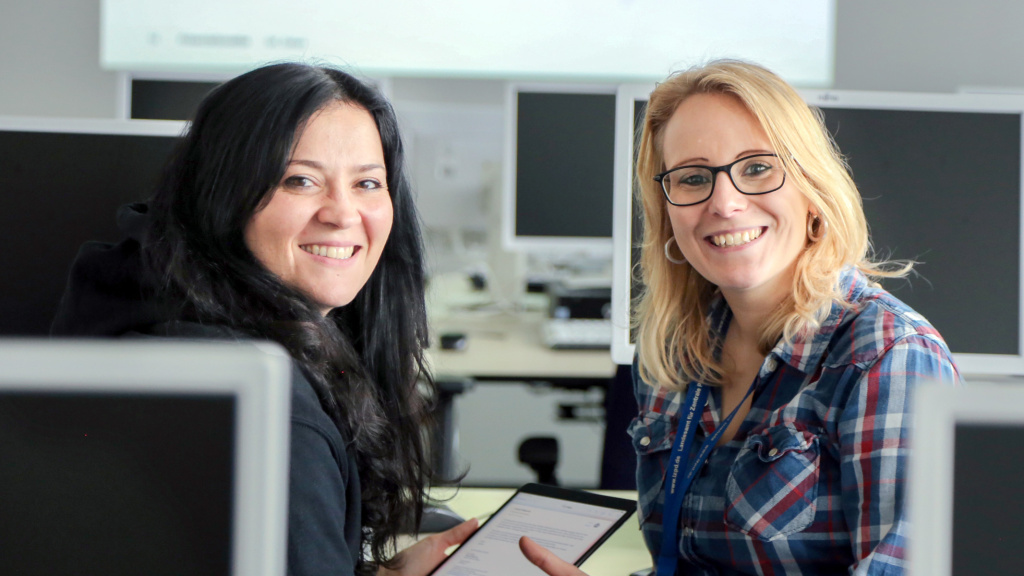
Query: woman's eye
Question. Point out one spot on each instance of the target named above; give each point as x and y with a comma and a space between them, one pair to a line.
299, 182
757, 169
369, 184
693, 180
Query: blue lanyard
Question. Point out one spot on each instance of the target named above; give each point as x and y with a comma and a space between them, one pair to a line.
676, 487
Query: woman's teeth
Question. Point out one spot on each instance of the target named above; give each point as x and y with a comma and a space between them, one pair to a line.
736, 239
335, 252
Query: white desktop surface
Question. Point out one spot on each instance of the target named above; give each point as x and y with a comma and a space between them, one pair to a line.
622, 554
505, 344
501, 341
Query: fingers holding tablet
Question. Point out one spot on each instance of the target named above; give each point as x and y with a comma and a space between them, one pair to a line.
567, 524
422, 557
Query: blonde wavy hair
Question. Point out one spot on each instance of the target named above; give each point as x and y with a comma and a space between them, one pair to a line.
675, 343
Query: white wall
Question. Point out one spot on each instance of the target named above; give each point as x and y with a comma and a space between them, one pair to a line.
49, 60
929, 45
49, 53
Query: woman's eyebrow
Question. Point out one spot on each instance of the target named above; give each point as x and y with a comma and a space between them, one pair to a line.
753, 152
310, 163
690, 162
360, 168
370, 167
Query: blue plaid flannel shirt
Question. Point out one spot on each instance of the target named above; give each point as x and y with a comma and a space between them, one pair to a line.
814, 480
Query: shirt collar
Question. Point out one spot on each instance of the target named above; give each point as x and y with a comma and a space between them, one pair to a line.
803, 353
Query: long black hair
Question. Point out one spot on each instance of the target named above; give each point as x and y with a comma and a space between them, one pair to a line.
366, 358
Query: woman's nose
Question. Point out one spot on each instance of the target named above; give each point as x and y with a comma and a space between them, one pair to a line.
725, 198
339, 209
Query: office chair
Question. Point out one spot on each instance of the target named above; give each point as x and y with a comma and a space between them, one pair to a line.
541, 454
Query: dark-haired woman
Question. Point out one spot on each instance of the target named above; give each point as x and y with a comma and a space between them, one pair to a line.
285, 214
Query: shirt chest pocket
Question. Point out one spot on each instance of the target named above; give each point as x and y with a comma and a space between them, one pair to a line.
773, 484
652, 435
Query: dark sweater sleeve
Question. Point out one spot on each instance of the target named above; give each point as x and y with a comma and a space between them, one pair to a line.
324, 509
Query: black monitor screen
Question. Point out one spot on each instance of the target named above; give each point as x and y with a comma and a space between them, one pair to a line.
60, 190
943, 188
988, 504
565, 155
116, 484
167, 99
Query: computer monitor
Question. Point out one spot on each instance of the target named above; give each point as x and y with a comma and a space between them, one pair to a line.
940, 175
964, 497
63, 180
143, 457
630, 104
560, 153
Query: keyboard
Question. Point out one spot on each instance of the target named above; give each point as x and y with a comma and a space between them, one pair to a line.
577, 333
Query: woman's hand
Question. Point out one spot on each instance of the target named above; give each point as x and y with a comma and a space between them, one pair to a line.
423, 556
546, 559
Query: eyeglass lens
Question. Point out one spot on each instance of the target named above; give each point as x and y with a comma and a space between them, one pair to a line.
751, 175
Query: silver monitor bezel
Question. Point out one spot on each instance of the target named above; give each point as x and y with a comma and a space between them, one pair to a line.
70, 125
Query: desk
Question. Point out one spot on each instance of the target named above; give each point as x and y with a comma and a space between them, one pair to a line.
507, 346
502, 343
485, 409
504, 348
623, 553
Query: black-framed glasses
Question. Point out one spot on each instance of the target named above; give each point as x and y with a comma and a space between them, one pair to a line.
750, 175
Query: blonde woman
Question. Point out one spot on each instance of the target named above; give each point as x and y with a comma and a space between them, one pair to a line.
772, 374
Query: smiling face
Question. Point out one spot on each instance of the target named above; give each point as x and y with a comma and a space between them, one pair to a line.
327, 221
745, 245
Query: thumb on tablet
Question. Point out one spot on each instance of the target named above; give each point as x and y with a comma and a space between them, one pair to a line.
458, 534
546, 559
422, 557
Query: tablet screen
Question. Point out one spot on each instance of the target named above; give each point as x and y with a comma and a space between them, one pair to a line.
570, 523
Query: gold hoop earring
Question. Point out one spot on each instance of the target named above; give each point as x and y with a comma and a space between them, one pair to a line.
817, 228
669, 257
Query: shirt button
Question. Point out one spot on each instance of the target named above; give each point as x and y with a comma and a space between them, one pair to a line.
645, 441
771, 364
773, 452
687, 531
